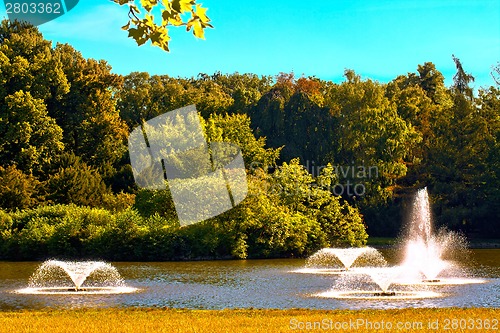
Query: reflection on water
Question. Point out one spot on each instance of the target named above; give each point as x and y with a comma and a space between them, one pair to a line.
243, 284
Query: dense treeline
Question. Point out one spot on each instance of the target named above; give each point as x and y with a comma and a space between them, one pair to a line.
339, 157
383, 140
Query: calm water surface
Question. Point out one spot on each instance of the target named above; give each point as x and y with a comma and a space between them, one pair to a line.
244, 284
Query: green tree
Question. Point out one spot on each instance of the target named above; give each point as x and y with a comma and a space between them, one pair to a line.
135, 103
461, 80
487, 173
307, 128
28, 64
75, 182
208, 95
236, 129
268, 117
143, 97
300, 192
432, 81
370, 134
463, 163
245, 89
29, 138
87, 113
31, 80
419, 111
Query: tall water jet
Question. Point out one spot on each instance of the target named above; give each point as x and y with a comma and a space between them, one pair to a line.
59, 277
421, 225
424, 250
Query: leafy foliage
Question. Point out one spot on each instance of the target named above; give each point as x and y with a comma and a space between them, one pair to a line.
29, 137
173, 14
17, 189
75, 182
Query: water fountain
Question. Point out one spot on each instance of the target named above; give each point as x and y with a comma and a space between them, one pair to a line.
383, 278
360, 286
428, 254
423, 252
76, 277
340, 260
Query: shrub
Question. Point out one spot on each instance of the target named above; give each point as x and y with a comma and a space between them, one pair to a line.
75, 182
150, 202
17, 190
118, 202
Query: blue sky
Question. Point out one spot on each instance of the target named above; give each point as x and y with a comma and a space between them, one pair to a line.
378, 39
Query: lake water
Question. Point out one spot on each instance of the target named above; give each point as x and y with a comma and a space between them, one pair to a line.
245, 284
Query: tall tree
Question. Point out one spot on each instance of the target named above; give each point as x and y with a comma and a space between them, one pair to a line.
28, 64
369, 133
29, 138
495, 73
268, 117
308, 130
461, 80
87, 113
432, 81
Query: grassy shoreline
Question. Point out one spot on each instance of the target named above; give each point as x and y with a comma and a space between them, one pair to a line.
250, 320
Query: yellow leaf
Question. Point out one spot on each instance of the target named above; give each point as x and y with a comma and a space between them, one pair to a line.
186, 6
126, 26
149, 4
149, 20
134, 8
175, 20
198, 30
160, 38
168, 6
201, 13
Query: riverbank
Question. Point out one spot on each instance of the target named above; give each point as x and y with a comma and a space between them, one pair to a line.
474, 243
136, 320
